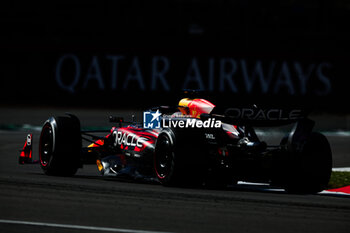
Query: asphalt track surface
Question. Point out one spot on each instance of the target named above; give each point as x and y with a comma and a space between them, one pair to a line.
87, 202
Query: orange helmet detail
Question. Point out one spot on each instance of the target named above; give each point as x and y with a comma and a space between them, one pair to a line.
195, 107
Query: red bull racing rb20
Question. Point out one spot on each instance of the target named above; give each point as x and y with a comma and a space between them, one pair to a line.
194, 143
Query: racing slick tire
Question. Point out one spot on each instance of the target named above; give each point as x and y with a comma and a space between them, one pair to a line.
177, 159
60, 146
310, 170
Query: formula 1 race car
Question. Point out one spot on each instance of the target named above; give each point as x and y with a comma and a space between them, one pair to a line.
193, 143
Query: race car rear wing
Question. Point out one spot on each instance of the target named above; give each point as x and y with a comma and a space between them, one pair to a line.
255, 116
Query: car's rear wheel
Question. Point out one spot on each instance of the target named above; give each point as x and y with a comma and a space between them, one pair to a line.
177, 162
310, 170
164, 160
60, 145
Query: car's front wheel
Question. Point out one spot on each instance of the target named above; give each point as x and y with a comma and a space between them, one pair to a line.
60, 145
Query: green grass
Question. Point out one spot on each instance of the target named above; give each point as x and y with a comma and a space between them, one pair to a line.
339, 179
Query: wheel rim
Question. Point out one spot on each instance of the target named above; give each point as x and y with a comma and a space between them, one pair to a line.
163, 157
46, 145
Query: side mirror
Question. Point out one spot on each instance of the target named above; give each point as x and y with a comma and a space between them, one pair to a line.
115, 119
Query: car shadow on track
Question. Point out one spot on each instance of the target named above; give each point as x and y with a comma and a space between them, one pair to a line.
239, 187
